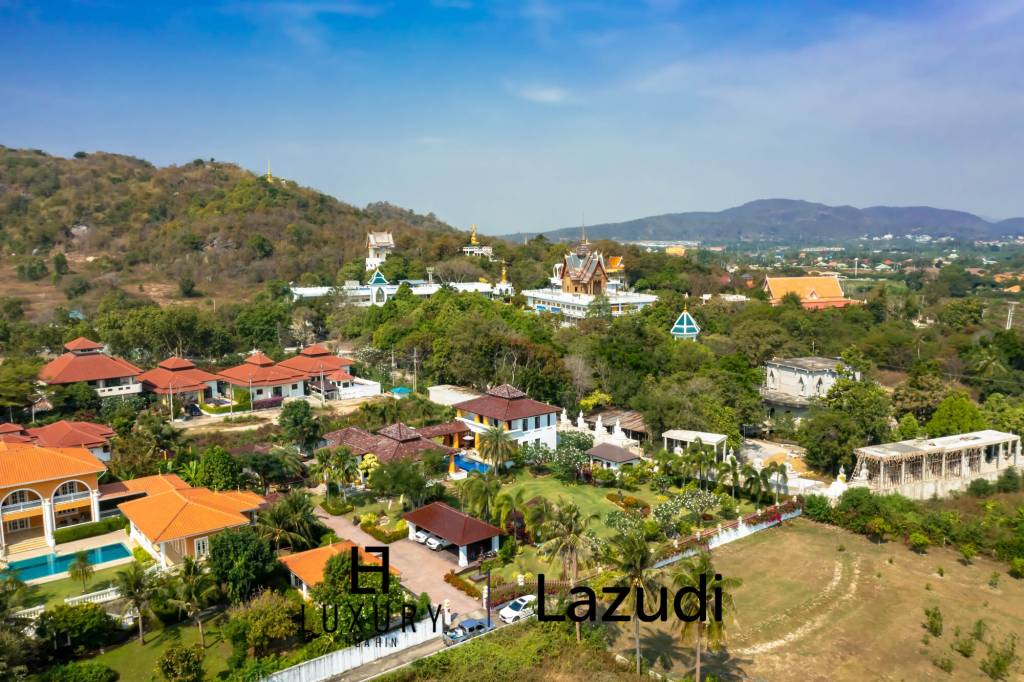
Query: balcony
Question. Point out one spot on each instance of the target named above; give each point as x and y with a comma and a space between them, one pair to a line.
122, 389
21, 506
81, 495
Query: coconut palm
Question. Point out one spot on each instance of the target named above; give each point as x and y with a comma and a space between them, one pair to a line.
301, 517
630, 555
497, 447
14, 596
731, 469
325, 469
193, 588
274, 525
511, 505
346, 468
753, 484
137, 588
570, 541
80, 569
709, 634
481, 494
705, 460
779, 476
539, 511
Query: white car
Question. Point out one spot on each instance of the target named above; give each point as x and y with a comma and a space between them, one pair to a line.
421, 536
436, 543
518, 608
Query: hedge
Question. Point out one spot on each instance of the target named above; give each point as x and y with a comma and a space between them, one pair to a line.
629, 503
85, 671
88, 530
462, 585
387, 536
336, 507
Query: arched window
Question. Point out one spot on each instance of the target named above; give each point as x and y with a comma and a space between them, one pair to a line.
379, 296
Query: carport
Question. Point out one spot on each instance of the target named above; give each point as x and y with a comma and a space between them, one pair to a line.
471, 535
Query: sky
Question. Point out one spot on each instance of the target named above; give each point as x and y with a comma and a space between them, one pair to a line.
528, 115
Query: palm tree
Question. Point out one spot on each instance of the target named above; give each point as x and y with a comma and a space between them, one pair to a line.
705, 460
325, 469
137, 588
301, 516
570, 541
14, 596
481, 494
511, 505
346, 468
273, 524
753, 485
710, 634
630, 555
193, 588
539, 511
777, 471
497, 447
731, 468
81, 569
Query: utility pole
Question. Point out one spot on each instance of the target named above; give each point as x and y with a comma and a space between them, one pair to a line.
1009, 315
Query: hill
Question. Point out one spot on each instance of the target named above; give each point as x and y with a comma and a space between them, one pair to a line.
793, 221
123, 221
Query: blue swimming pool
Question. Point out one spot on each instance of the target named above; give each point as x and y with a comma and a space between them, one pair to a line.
51, 564
471, 465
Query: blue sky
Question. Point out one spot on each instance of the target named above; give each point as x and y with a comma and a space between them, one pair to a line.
524, 115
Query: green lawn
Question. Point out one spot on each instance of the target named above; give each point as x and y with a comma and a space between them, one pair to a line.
137, 663
56, 591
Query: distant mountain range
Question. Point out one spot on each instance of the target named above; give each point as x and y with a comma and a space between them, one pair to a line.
794, 221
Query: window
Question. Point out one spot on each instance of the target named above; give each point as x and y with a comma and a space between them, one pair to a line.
17, 524
17, 497
202, 547
69, 488
295, 387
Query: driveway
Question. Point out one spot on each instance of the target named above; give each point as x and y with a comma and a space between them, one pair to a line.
422, 570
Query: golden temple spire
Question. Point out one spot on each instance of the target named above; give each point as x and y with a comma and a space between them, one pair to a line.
472, 236
504, 273
270, 178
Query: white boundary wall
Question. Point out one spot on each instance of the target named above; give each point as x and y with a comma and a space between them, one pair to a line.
343, 660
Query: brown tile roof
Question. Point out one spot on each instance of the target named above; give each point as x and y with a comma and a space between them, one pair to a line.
259, 370
313, 360
186, 512
451, 524
177, 375
75, 366
21, 463
612, 453
400, 432
309, 565
446, 429
69, 434
354, 438
629, 420
505, 403
391, 442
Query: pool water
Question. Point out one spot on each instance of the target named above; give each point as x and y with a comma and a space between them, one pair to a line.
51, 564
471, 465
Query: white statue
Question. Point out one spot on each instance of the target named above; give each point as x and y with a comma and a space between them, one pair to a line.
598, 426
581, 422
565, 416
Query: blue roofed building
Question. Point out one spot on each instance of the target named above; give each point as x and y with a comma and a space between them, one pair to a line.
686, 327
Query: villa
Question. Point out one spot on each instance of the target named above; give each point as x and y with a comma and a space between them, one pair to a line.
178, 379
328, 375
86, 362
63, 434
263, 379
396, 441
611, 456
306, 569
506, 407
42, 489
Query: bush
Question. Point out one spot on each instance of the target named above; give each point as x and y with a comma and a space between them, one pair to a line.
143, 557
507, 551
86, 671
462, 585
181, 664
943, 663
918, 542
1009, 481
1000, 658
267, 403
76, 286
387, 535
817, 508
629, 503
980, 487
933, 621
88, 530
336, 507
964, 646
80, 625
1017, 567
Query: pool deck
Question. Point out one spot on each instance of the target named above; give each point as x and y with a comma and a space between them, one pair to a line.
85, 544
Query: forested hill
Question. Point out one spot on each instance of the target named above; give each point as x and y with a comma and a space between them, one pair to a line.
789, 221
118, 216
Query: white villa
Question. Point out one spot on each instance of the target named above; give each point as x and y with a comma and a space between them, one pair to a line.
791, 384
924, 467
378, 246
508, 408
678, 440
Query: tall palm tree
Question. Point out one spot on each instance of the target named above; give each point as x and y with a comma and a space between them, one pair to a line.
193, 588
779, 476
753, 484
324, 469
301, 517
730, 469
709, 634
482, 492
539, 511
274, 525
346, 468
137, 588
511, 505
705, 460
630, 555
570, 541
497, 447
80, 569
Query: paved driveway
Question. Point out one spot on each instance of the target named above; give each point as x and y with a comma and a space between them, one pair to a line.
422, 570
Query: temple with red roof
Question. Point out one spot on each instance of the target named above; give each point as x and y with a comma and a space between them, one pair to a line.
264, 379
179, 380
85, 361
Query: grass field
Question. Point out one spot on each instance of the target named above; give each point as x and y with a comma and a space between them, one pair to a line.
810, 611
137, 663
56, 591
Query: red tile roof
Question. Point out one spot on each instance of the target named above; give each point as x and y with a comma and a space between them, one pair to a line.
187, 512
314, 360
505, 403
452, 525
177, 375
259, 370
21, 464
392, 442
446, 429
76, 365
82, 343
309, 565
69, 434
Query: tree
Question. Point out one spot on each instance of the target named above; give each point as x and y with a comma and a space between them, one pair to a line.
509, 512
402, 477
194, 587
17, 382
335, 465
187, 287
878, 527
482, 495
630, 556
570, 541
80, 569
60, 264
241, 560
218, 469
299, 425
497, 447
731, 468
957, 413
908, 428
269, 617
137, 588
777, 477
699, 576
76, 625
180, 663
755, 482
336, 589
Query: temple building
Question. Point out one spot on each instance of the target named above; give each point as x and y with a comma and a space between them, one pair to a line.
791, 384
580, 279
924, 467
378, 290
685, 327
379, 246
475, 248
86, 361
823, 291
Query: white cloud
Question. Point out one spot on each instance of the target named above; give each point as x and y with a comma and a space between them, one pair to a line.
543, 94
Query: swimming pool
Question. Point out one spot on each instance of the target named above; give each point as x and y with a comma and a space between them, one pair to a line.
471, 465
51, 564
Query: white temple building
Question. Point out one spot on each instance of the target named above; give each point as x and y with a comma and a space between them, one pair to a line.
379, 246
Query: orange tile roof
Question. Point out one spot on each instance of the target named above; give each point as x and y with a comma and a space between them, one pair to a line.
259, 370
814, 292
309, 565
69, 434
151, 485
75, 366
178, 375
186, 512
21, 464
82, 343
313, 360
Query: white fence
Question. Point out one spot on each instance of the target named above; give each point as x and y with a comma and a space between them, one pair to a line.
360, 388
337, 662
101, 597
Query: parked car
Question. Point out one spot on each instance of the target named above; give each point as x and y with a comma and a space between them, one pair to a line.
421, 536
518, 609
436, 543
467, 629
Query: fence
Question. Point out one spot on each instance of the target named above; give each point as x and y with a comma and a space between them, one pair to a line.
369, 651
101, 597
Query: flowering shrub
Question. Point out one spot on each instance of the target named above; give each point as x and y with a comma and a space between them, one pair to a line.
462, 585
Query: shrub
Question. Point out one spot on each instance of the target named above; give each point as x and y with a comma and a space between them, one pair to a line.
336, 507
933, 621
817, 508
76, 286
84, 671
964, 646
978, 629
507, 551
80, 625
462, 585
980, 487
943, 663
967, 551
387, 535
993, 581
142, 556
918, 542
1000, 658
88, 530
267, 403
181, 664
1009, 481
629, 503
1017, 567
